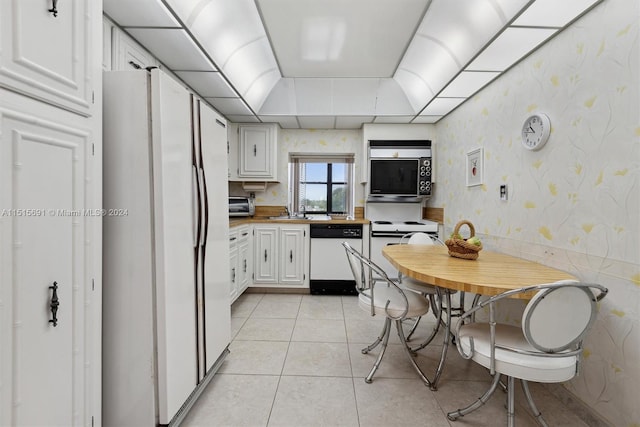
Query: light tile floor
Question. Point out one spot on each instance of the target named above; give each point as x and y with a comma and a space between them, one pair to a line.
295, 361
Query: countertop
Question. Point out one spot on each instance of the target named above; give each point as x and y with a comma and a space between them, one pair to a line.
237, 221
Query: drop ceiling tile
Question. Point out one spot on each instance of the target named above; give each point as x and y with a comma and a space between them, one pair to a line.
282, 98
355, 97
173, 47
426, 119
393, 119
317, 122
510, 46
233, 118
208, 84
391, 99
232, 106
441, 106
462, 27
313, 96
538, 15
139, 13
467, 83
352, 122
286, 122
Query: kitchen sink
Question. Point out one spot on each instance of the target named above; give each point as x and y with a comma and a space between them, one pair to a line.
301, 217
287, 217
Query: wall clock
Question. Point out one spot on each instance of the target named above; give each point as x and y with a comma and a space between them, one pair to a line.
535, 131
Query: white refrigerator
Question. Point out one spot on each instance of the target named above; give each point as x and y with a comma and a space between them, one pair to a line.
166, 296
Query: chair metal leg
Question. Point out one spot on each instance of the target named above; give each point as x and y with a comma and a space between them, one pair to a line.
409, 355
536, 413
413, 328
454, 415
445, 343
383, 333
511, 406
385, 340
438, 313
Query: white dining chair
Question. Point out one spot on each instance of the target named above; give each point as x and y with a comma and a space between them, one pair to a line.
440, 299
546, 347
384, 297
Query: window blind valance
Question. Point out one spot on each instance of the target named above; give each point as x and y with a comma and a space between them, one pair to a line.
321, 158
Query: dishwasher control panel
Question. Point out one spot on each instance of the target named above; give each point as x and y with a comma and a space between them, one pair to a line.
335, 231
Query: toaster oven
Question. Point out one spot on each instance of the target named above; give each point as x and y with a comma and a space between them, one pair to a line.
241, 206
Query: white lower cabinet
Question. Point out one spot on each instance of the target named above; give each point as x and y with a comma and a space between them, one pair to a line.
240, 260
281, 257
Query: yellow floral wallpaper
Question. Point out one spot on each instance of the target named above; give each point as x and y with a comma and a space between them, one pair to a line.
575, 204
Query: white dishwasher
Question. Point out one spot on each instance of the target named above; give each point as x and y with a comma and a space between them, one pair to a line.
330, 273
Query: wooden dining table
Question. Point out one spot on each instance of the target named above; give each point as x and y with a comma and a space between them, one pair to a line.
492, 273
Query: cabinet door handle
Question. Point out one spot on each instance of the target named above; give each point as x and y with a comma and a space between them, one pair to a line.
255, 150
54, 304
265, 255
244, 266
291, 256
54, 11
233, 275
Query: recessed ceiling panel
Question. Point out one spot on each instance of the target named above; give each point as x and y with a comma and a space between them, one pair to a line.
441, 106
352, 122
553, 13
317, 122
512, 45
467, 83
286, 122
172, 47
313, 96
462, 27
393, 119
338, 38
139, 13
208, 84
354, 97
426, 119
241, 119
233, 106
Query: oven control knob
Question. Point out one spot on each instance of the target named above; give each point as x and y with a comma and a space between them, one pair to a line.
426, 162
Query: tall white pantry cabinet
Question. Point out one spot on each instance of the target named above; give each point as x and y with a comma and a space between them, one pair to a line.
50, 212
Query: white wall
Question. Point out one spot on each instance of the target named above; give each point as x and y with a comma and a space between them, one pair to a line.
575, 204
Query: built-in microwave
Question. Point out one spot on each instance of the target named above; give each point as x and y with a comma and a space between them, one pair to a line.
399, 169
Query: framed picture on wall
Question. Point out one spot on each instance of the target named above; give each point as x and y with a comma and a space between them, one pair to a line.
475, 167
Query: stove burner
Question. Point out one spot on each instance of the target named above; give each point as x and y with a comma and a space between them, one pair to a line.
413, 223
382, 222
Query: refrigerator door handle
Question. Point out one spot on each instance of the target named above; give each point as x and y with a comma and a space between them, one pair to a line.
203, 208
195, 194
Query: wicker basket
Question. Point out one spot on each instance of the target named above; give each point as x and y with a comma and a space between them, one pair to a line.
460, 248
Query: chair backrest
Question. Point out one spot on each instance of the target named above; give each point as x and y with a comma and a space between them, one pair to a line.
557, 319
363, 268
420, 238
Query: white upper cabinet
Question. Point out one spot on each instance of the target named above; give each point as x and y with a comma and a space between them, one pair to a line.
46, 54
258, 149
127, 54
